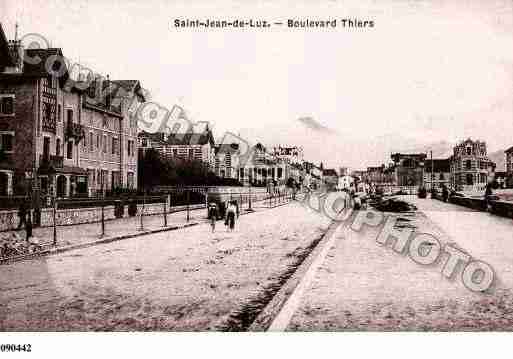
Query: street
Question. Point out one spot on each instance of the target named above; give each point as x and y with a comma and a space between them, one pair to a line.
188, 279
192, 279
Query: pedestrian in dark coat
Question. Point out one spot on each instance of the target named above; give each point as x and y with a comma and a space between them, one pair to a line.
28, 226
22, 214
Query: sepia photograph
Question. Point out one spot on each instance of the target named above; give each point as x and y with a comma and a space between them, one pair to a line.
280, 168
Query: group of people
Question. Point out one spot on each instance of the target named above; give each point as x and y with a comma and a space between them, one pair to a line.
231, 214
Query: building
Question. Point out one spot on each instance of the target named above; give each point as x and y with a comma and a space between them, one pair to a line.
345, 182
509, 167
197, 144
109, 148
441, 169
288, 154
470, 166
409, 169
343, 171
262, 167
375, 175
227, 160
56, 138
330, 178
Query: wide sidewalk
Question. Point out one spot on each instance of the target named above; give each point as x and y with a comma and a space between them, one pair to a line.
485, 236
364, 285
79, 234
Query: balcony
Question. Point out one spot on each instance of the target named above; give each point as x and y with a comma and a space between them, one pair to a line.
50, 162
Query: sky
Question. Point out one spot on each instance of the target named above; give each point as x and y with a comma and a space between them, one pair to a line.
428, 71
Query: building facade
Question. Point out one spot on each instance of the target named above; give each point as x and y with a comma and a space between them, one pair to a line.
56, 139
227, 160
409, 169
437, 173
509, 167
470, 166
194, 145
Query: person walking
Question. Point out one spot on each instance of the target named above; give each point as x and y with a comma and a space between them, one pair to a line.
488, 196
212, 214
22, 213
445, 193
28, 226
230, 216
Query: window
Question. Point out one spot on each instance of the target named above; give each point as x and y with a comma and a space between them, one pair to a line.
58, 147
46, 148
130, 148
113, 146
98, 142
69, 116
468, 164
7, 105
7, 142
104, 143
50, 82
191, 153
280, 172
70, 150
442, 176
59, 109
130, 180
470, 179
91, 137
175, 152
145, 142
469, 151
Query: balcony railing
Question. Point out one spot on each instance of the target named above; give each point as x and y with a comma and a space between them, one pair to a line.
51, 161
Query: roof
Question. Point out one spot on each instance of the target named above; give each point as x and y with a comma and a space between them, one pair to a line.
191, 138
128, 85
5, 55
396, 156
40, 57
439, 165
227, 148
157, 137
509, 150
329, 172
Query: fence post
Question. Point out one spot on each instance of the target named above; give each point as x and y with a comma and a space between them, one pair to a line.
141, 227
54, 220
103, 218
165, 211
188, 201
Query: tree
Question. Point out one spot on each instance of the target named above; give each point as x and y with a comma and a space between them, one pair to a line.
150, 168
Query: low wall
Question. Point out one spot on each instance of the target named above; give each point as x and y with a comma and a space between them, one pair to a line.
499, 208
64, 217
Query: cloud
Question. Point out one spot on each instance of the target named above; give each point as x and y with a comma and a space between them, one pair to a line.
312, 124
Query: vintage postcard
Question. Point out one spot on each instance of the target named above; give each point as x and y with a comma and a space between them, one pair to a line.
255, 166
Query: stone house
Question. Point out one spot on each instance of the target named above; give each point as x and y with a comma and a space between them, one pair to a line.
470, 166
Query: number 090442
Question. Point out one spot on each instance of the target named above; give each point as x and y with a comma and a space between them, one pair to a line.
5, 348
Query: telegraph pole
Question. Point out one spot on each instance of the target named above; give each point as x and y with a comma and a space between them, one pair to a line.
432, 167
